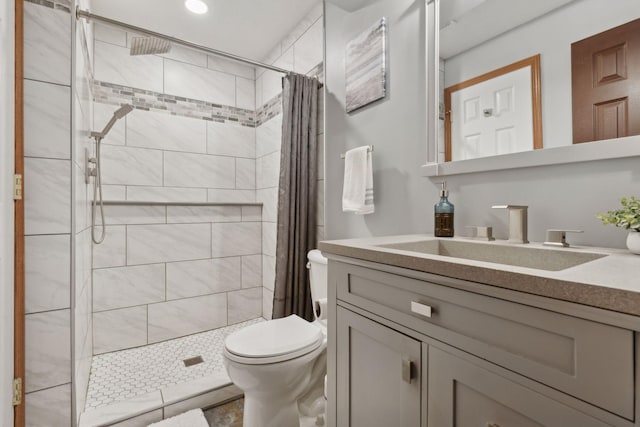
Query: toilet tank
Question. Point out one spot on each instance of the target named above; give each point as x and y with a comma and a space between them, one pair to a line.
317, 266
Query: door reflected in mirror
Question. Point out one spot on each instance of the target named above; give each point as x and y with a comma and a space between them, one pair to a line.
480, 36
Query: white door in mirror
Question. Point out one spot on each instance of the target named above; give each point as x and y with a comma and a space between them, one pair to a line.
492, 117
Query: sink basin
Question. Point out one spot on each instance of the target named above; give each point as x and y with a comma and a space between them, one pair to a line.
521, 256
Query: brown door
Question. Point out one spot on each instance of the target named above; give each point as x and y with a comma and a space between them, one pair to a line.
605, 73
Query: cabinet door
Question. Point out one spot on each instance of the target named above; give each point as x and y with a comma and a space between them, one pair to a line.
462, 394
378, 373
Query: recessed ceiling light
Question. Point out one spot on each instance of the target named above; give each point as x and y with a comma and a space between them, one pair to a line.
196, 6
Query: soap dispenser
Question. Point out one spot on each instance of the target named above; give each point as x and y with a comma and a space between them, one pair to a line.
443, 214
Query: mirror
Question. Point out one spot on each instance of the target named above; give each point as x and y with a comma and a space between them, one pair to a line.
478, 36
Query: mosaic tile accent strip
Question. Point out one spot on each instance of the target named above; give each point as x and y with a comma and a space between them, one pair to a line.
110, 93
53, 4
125, 374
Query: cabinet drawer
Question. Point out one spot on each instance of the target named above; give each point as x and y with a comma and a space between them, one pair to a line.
585, 359
462, 394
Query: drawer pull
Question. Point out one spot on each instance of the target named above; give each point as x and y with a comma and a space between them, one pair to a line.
421, 309
407, 368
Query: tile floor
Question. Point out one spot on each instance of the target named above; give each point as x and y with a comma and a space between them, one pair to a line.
125, 374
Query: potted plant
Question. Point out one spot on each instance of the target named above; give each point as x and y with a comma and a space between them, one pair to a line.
627, 217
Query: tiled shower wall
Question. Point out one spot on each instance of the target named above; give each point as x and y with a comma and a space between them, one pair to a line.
49, 228
301, 51
166, 271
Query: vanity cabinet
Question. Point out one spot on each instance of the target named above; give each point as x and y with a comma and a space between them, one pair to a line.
429, 351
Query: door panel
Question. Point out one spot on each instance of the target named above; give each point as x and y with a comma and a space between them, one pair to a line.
605, 72
377, 386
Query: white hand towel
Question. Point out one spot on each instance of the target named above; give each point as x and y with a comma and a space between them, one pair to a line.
357, 193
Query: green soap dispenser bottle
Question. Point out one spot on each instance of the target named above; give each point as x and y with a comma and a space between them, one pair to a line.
443, 215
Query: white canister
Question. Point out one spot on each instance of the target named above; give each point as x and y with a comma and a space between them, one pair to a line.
633, 242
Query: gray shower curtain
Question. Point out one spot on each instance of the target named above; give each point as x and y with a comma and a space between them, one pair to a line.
297, 196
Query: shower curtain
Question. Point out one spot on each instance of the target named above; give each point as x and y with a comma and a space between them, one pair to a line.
297, 196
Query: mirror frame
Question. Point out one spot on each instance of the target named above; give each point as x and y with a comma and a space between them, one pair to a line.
574, 153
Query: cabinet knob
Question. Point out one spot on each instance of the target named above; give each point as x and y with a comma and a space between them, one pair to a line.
421, 309
407, 370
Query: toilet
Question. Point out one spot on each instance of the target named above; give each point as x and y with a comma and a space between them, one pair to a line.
278, 362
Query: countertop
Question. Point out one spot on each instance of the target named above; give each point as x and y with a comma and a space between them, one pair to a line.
611, 282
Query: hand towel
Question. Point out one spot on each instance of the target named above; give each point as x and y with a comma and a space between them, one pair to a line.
357, 193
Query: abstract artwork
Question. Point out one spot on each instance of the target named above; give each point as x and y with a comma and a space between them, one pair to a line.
366, 79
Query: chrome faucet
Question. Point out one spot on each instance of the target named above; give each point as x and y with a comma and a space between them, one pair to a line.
518, 227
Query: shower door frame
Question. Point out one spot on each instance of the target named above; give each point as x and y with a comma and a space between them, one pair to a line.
19, 272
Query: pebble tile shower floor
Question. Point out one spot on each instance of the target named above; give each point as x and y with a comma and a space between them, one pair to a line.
122, 375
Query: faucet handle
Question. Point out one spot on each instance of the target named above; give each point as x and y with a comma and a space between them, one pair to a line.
482, 232
559, 237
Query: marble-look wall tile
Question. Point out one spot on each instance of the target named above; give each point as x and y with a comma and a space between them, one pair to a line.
270, 170
167, 132
119, 329
269, 234
269, 136
111, 35
231, 67
269, 199
246, 174
227, 139
320, 204
186, 316
195, 278
268, 272
190, 56
47, 38
272, 81
166, 194
193, 82
47, 349
251, 213
50, 407
267, 303
303, 25
114, 64
244, 305
320, 233
47, 272
231, 196
114, 192
47, 120
235, 239
112, 252
195, 214
128, 286
197, 170
259, 100
147, 244
102, 113
47, 196
308, 50
135, 214
251, 271
131, 166
245, 93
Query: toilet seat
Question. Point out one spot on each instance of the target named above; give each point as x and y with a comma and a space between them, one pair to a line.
273, 341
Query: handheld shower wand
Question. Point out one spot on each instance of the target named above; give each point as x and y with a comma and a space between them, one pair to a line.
96, 172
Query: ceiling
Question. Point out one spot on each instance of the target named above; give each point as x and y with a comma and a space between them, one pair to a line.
249, 28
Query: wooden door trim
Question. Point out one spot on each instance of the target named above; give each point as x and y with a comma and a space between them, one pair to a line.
19, 272
536, 98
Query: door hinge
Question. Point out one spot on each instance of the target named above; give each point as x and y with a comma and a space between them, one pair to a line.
17, 187
17, 392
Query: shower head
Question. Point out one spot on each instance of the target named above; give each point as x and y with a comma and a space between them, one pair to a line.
149, 46
117, 115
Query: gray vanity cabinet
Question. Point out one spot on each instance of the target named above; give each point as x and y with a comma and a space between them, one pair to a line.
416, 349
383, 368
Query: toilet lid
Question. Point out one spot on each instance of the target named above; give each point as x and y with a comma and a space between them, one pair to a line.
274, 338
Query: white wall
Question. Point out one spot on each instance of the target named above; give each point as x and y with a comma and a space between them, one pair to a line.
550, 36
395, 126
6, 210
